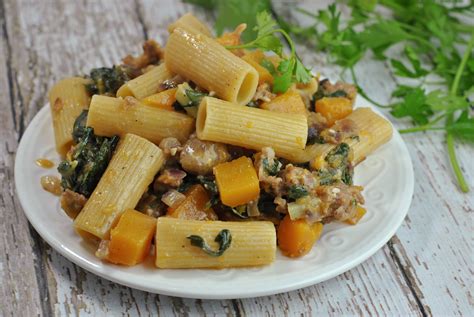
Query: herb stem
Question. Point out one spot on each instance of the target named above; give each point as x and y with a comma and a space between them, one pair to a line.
362, 92
449, 136
251, 44
420, 129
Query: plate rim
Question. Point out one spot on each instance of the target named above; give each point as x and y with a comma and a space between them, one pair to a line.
189, 293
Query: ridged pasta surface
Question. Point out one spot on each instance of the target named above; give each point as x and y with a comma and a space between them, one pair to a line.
131, 170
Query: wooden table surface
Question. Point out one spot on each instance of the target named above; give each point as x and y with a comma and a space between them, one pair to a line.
425, 269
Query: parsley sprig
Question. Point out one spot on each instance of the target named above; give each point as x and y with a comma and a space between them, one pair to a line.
431, 35
291, 69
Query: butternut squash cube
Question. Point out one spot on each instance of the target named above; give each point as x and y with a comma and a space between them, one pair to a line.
130, 240
237, 181
163, 100
263, 73
289, 102
297, 237
194, 207
333, 108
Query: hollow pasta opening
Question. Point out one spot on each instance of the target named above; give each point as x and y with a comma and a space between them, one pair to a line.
248, 87
201, 117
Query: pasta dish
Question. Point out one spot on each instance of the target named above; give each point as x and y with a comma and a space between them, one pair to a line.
208, 152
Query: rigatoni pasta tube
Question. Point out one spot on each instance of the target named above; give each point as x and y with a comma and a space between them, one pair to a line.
252, 128
191, 24
147, 84
131, 170
372, 131
212, 67
67, 99
116, 116
253, 243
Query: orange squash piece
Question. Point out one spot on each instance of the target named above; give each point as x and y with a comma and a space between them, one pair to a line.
194, 206
289, 102
264, 75
297, 237
163, 100
130, 240
237, 181
333, 108
360, 212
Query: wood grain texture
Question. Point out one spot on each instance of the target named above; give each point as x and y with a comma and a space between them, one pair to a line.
424, 270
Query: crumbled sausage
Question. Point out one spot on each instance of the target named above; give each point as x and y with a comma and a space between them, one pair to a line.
341, 130
199, 157
72, 202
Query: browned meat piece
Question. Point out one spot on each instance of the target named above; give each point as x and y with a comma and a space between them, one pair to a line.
281, 205
339, 202
152, 54
341, 130
199, 157
171, 83
298, 176
263, 93
170, 146
151, 205
72, 203
316, 124
268, 167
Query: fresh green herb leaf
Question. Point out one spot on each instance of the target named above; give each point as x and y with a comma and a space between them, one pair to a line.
224, 238
439, 100
463, 128
282, 81
414, 105
290, 70
269, 66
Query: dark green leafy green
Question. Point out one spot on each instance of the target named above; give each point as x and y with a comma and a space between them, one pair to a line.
88, 161
224, 238
79, 128
297, 191
271, 169
106, 81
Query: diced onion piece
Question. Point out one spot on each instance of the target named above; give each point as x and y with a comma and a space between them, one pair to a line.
173, 197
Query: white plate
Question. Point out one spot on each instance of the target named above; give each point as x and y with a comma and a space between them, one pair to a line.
387, 176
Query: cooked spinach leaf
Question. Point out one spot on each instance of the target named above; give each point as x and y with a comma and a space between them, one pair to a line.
84, 167
79, 127
338, 159
224, 238
106, 81
297, 191
271, 169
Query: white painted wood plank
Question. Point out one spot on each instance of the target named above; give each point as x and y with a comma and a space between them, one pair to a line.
434, 244
50, 35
